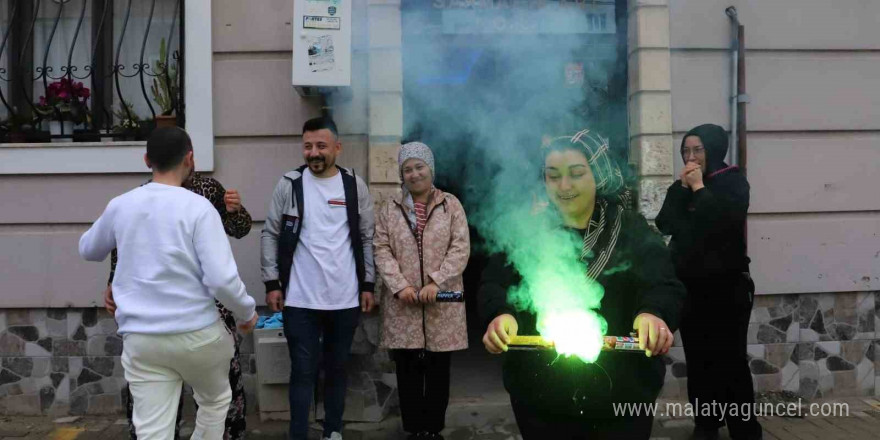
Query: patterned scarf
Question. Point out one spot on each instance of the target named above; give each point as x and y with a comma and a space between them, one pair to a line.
601, 237
613, 199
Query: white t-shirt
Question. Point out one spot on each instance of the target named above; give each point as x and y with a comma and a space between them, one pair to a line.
174, 259
323, 275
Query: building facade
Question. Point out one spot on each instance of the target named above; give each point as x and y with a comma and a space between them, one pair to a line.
814, 166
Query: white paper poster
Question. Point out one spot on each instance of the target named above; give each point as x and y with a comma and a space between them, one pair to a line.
321, 53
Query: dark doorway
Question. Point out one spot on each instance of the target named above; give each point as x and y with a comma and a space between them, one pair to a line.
536, 68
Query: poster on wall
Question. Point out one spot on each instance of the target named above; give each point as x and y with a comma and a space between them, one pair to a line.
320, 52
574, 74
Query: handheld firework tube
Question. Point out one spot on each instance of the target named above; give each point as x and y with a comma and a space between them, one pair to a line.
446, 296
610, 343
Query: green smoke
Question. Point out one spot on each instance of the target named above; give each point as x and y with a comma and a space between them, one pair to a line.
483, 102
554, 283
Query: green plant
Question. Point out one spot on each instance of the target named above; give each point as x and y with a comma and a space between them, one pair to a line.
165, 87
128, 119
17, 123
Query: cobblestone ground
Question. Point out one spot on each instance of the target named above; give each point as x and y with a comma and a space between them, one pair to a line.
472, 422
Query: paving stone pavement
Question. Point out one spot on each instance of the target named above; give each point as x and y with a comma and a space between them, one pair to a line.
475, 421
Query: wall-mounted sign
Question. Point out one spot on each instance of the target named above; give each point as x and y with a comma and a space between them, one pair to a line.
574, 74
321, 43
550, 19
322, 7
318, 22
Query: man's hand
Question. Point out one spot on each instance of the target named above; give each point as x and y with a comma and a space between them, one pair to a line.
367, 302
248, 327
694, 177
109, 304
499, 332
428, 294
654, 335
232, 200
275, 300
408, 295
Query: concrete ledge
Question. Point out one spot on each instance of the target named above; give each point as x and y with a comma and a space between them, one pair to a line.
386, 70
386, 114
648, 27
652, 191
654, 154
383, 165
384, 25
649, 70
650, 113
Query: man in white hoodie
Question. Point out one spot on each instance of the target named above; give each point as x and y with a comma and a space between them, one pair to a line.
174, 260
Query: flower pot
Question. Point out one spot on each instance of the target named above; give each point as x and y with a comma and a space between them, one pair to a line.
86, 136
56, 128
38, 137
16, 137
166, 121
144, 129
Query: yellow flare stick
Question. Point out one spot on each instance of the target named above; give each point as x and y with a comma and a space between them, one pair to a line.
610, 343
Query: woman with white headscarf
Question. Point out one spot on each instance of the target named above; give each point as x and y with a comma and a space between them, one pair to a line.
422, 246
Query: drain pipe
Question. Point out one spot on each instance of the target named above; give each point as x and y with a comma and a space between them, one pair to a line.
738, 101
739, 98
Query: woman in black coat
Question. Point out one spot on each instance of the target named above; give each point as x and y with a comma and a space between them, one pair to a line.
704, 212
565, 397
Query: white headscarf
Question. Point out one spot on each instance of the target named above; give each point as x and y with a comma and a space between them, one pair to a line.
414, 150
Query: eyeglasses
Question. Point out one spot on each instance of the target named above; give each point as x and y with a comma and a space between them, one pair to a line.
697, 151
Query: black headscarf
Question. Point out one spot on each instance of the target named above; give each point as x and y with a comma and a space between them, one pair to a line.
715, 142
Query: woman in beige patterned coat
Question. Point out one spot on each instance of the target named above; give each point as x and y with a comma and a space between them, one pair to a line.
421, 248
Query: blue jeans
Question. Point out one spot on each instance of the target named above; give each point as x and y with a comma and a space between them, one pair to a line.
303, 329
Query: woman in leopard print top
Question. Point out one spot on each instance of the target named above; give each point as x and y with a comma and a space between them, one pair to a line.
237, 223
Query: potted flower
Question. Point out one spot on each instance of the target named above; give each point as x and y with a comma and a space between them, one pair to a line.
20, 127
129, 123
67, 100
16, 128
165, 88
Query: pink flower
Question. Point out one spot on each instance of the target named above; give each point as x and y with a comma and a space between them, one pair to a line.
43, 101
85, 93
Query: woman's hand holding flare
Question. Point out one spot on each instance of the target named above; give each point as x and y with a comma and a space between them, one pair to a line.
654, 335
498, 335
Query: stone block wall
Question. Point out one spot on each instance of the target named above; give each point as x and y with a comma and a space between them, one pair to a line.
59, 361
816, 345
67, 361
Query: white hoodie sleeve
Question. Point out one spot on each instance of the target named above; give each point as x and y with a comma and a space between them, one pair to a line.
218, 266
100, 239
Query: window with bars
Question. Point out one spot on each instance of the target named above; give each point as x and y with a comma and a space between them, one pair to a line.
89, 70
84, 82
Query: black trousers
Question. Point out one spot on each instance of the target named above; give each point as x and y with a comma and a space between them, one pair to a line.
423, 387
533, 425
714, 330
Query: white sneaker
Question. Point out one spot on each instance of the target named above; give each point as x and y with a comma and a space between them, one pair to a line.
334, 436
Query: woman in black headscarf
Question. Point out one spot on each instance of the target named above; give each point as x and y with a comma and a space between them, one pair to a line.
705, 213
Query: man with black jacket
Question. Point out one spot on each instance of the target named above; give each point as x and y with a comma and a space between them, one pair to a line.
317, 263
705, 213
